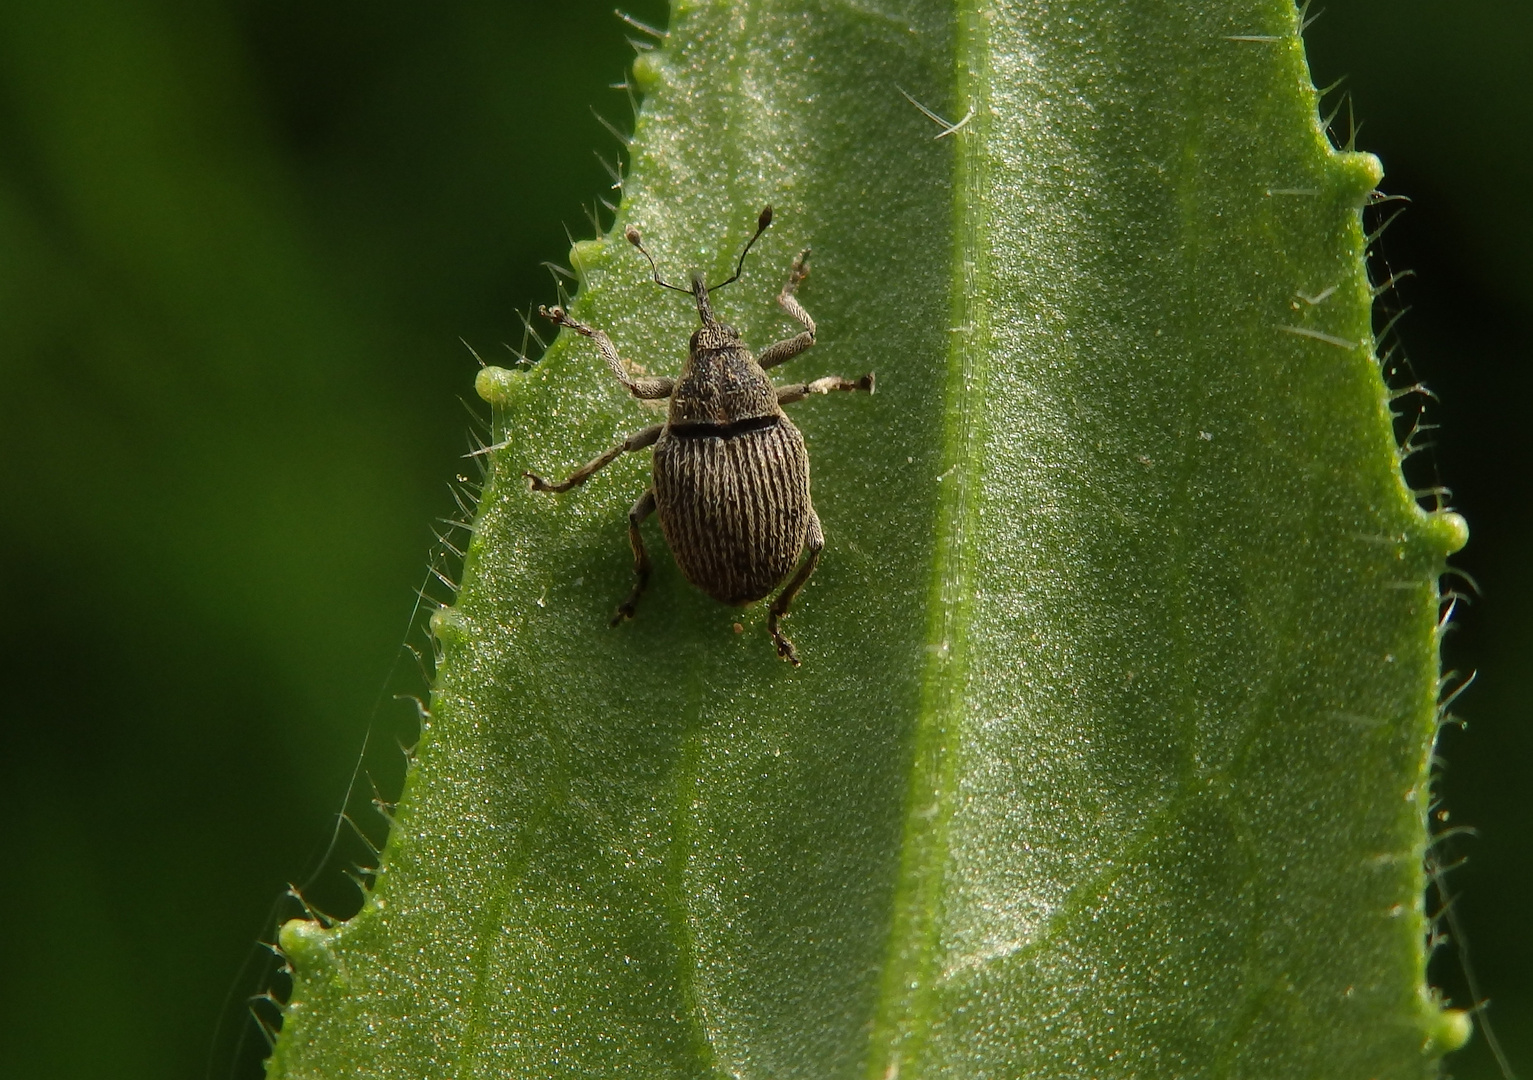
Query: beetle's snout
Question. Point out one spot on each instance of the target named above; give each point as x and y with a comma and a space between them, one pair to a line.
700, 293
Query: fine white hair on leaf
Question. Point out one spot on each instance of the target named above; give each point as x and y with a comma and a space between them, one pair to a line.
948, 127
1319, 335
624, 139
1394, 280
641, 27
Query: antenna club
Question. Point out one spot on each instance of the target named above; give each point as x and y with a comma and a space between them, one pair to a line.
764, 220
631, 234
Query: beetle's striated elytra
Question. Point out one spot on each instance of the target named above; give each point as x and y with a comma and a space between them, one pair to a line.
731, 475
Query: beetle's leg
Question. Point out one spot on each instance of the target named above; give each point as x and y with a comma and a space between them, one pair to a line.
815, 542
643, 386
783, 351
637, 441
786, 395
641, 510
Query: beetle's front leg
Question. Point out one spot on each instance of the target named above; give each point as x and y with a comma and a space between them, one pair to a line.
641, 510
786, 395
815, 543
651, 388
784, 351
637, 441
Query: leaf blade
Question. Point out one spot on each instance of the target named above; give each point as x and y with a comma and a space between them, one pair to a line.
1101, 614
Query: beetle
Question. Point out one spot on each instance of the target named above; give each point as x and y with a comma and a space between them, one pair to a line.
730, 476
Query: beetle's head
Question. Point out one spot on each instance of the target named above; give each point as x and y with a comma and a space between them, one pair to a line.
713, 334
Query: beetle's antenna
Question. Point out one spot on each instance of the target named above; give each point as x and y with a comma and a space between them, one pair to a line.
761, 226
632, 235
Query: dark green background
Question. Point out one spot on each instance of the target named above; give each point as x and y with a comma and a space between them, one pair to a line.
239, 243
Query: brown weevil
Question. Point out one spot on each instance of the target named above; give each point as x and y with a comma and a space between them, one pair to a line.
731, 475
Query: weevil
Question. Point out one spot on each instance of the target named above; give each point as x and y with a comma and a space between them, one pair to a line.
730, 476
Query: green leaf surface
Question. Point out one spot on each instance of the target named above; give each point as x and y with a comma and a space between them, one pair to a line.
1109, 754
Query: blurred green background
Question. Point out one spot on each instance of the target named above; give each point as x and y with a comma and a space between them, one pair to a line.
239, 243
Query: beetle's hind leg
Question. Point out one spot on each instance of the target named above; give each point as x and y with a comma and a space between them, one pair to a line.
815, 542
641, 510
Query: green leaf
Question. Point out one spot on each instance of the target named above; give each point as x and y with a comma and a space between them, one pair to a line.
1110, 752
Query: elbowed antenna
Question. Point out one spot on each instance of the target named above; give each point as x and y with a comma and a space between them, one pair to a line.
761, 226
631, 234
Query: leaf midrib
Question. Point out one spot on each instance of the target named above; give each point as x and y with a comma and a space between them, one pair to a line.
911, 956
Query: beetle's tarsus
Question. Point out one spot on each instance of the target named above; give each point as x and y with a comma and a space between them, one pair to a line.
539, 484
641, 510
787, 395
561, 317
800, 269
814, 541
784, 646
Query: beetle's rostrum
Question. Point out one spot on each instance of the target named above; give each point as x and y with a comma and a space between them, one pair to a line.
730, 479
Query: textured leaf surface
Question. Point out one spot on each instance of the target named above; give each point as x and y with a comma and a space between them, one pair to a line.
1109, 752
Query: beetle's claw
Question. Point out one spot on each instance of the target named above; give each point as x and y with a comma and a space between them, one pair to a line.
785, 647
559, 317
624, 613
538, 483
866, 383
